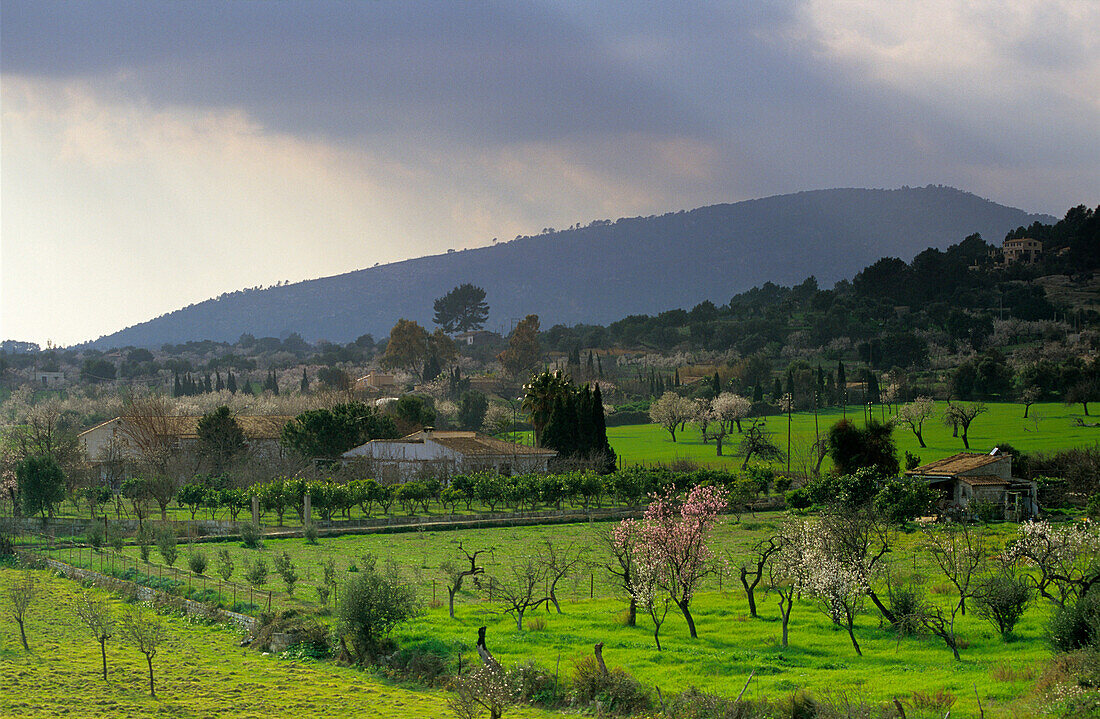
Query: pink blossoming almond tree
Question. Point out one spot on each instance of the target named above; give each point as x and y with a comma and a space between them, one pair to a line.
672, 542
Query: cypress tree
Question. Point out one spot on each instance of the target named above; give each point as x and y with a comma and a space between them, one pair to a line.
591, 367
206, 386
676, 375
599, 429
554, 434
586, 431
218, 384
231, 383
305, 381
244, 386
717, 389
841, 383
758, 393
177, 388
274, 383
790, 381
777, 390
599, 367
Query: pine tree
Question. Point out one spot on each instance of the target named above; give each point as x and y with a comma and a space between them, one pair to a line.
305, 381
231, 383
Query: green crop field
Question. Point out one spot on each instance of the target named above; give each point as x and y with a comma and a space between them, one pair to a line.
200, 672
1050, 426
730, 645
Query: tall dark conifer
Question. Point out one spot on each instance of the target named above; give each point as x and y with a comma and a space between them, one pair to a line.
599, 429
305, 381
177, 388
218, 384
231, 383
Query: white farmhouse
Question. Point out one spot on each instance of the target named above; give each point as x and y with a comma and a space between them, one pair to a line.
445, 453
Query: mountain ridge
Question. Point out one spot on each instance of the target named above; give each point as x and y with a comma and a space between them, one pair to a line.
607, 270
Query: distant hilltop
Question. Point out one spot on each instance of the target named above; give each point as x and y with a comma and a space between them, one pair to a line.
607, 270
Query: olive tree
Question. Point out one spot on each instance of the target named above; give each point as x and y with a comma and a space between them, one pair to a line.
372, 604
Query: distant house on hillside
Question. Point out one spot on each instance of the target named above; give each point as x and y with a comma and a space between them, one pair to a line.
473, 337
261, 433
49, 379
376, 381
442, 454
1024, 250
971, 477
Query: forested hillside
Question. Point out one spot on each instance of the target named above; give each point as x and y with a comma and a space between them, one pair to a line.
607, 270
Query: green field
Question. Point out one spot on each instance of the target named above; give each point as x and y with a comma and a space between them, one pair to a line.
1004, 423
200, 672
730, 644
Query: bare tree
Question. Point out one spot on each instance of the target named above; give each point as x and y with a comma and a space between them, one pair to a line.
959, 551
961, 416
621, 544
752, 569
756, 442
520, 591
20, 596
95, 614
558, 562
147, 633
456, 573
788, 570
147, 425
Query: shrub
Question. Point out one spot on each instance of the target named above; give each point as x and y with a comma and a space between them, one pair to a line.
905, 605
798, 498
196, 561
95, 535
166, 545
225, 564
115, 538
1001, 600
310, 533
145, 542
252, 536
533, 684
1077, 625
284, 565
255, 573
616, 691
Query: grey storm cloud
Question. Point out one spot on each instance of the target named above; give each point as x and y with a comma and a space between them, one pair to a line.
478, 70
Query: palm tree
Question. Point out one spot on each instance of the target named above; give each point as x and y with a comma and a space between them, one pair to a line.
539, 397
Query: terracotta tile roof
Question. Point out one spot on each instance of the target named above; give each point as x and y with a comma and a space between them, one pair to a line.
477, 444
962, 462
986, 481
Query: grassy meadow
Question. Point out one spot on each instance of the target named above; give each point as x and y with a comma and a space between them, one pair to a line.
731, 643
1050, 426
200, 672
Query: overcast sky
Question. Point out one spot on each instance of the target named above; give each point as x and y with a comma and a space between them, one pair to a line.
157, 154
